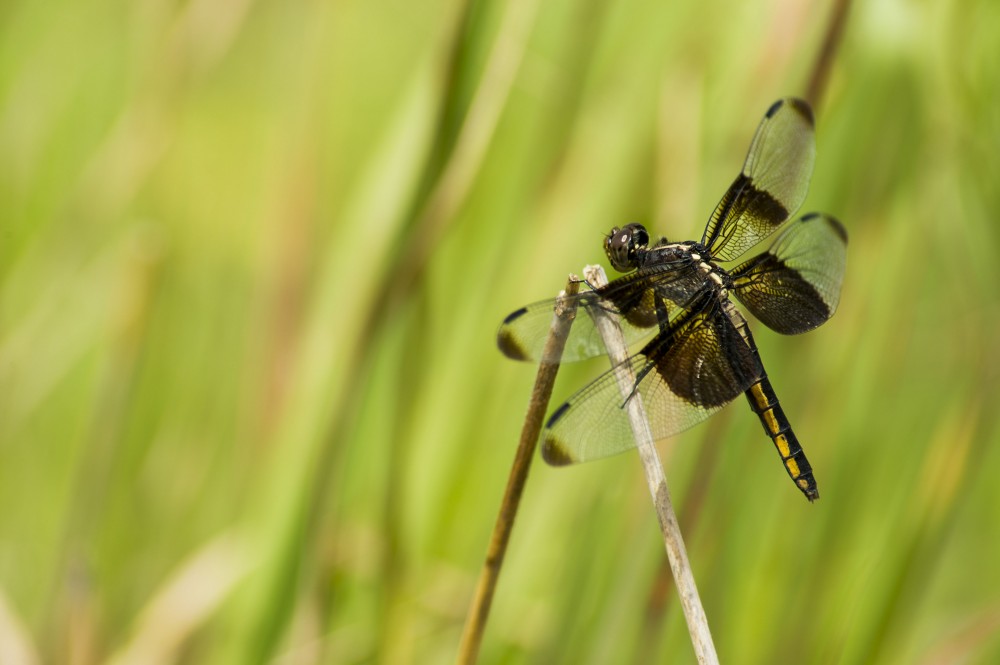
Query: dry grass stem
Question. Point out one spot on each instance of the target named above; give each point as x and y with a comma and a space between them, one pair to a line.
824, 60
694, 613
479, 609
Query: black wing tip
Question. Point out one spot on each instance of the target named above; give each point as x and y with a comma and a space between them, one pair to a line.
510, 347
835, 223
554, 452
515, 315
838, 228
506, 342
800, 105
556, 415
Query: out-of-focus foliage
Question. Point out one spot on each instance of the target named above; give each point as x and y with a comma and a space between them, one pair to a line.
252, 258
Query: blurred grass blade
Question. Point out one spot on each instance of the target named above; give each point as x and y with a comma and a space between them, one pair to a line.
278, 522
16, 647
186, 601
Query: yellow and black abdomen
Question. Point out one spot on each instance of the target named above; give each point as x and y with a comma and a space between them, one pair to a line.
765, 404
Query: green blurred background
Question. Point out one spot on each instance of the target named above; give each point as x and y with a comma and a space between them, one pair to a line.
252, 260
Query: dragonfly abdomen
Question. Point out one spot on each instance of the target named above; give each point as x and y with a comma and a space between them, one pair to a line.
765, 404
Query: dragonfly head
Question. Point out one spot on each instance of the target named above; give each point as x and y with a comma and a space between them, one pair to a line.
624, 246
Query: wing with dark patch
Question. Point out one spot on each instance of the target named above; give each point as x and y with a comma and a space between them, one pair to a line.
699, 363
772, 185
641, 299
795, 285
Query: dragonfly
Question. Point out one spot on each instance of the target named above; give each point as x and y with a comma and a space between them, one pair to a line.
697, 352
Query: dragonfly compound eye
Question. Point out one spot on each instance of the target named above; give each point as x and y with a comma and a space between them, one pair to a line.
622, 243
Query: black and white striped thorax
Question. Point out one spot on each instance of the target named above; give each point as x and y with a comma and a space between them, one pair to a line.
628, 249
